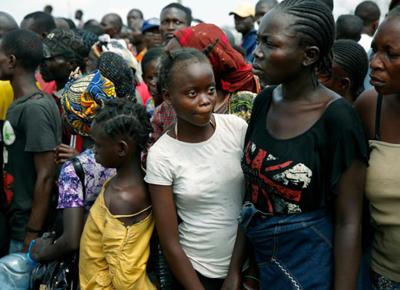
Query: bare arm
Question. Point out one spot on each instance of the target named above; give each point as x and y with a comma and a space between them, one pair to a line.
45, 250
347, 241
45, 176
167, 229
233, 279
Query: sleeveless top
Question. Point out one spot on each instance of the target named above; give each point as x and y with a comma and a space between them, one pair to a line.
383, 193
112, 255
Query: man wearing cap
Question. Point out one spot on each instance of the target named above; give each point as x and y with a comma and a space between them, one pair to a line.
63, 52
244, 24
151, 36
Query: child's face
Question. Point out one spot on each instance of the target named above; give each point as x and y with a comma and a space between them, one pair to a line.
105, 148
338, 81
192, 91
150, 77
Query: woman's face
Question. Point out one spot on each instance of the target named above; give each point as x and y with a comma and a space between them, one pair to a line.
385, 58
278, 56
105, 149
338, 81
192, 91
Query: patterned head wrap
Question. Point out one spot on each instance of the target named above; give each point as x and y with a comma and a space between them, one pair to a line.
82, 98
230, 68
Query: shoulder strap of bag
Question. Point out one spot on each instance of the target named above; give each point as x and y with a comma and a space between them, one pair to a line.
80, 173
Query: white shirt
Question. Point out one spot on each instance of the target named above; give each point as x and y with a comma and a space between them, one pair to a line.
365, 42
208, 187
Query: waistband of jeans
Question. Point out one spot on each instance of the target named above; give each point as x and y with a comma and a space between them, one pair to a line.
295, 217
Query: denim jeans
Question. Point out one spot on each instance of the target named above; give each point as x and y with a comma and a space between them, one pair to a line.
292, 251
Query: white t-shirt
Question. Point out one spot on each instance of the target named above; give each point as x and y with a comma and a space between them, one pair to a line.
208, 187
365, 42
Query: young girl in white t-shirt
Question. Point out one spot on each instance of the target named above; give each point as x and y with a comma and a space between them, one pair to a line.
194, 172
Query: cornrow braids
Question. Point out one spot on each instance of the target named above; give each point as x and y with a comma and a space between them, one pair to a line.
122, 118
171, 59
315, 22
353, 59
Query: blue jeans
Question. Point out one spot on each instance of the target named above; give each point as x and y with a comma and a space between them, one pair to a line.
292, 251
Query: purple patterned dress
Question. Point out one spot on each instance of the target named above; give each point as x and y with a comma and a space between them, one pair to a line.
70, 187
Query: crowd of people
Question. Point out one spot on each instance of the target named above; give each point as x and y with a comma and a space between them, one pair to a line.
164, 154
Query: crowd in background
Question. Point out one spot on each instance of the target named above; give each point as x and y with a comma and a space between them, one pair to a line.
161, 153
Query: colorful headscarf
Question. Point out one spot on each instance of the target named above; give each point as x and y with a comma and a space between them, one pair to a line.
230, 68
82, 98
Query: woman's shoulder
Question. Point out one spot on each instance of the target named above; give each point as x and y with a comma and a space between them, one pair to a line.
230, 120
365, 105
162, 146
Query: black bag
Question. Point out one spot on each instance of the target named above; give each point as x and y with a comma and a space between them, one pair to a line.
62, 274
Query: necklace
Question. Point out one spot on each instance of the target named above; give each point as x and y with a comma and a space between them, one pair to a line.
176, 128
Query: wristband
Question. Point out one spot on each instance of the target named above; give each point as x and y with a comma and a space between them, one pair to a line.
28, 254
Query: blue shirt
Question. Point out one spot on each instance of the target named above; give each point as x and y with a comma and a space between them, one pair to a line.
249, 44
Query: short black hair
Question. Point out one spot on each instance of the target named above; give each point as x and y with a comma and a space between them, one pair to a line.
184, 9
138, 11
124, 119
7, 22
93, 26
270, 3
116, 20
349, 26
71, 23
151, 54
43, 22
368, 11
353, 59
25, 45
316, 26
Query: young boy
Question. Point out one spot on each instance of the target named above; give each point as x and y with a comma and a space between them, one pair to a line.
31, 131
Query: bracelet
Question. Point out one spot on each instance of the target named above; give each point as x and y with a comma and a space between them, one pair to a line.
251, 278
28, 254
31, 230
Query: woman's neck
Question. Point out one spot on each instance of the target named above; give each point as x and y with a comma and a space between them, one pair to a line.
190, 133
301, 88
130, 171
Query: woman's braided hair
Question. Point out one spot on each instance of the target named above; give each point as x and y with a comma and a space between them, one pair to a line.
123, 118
170, 59
353, 59
315, 22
